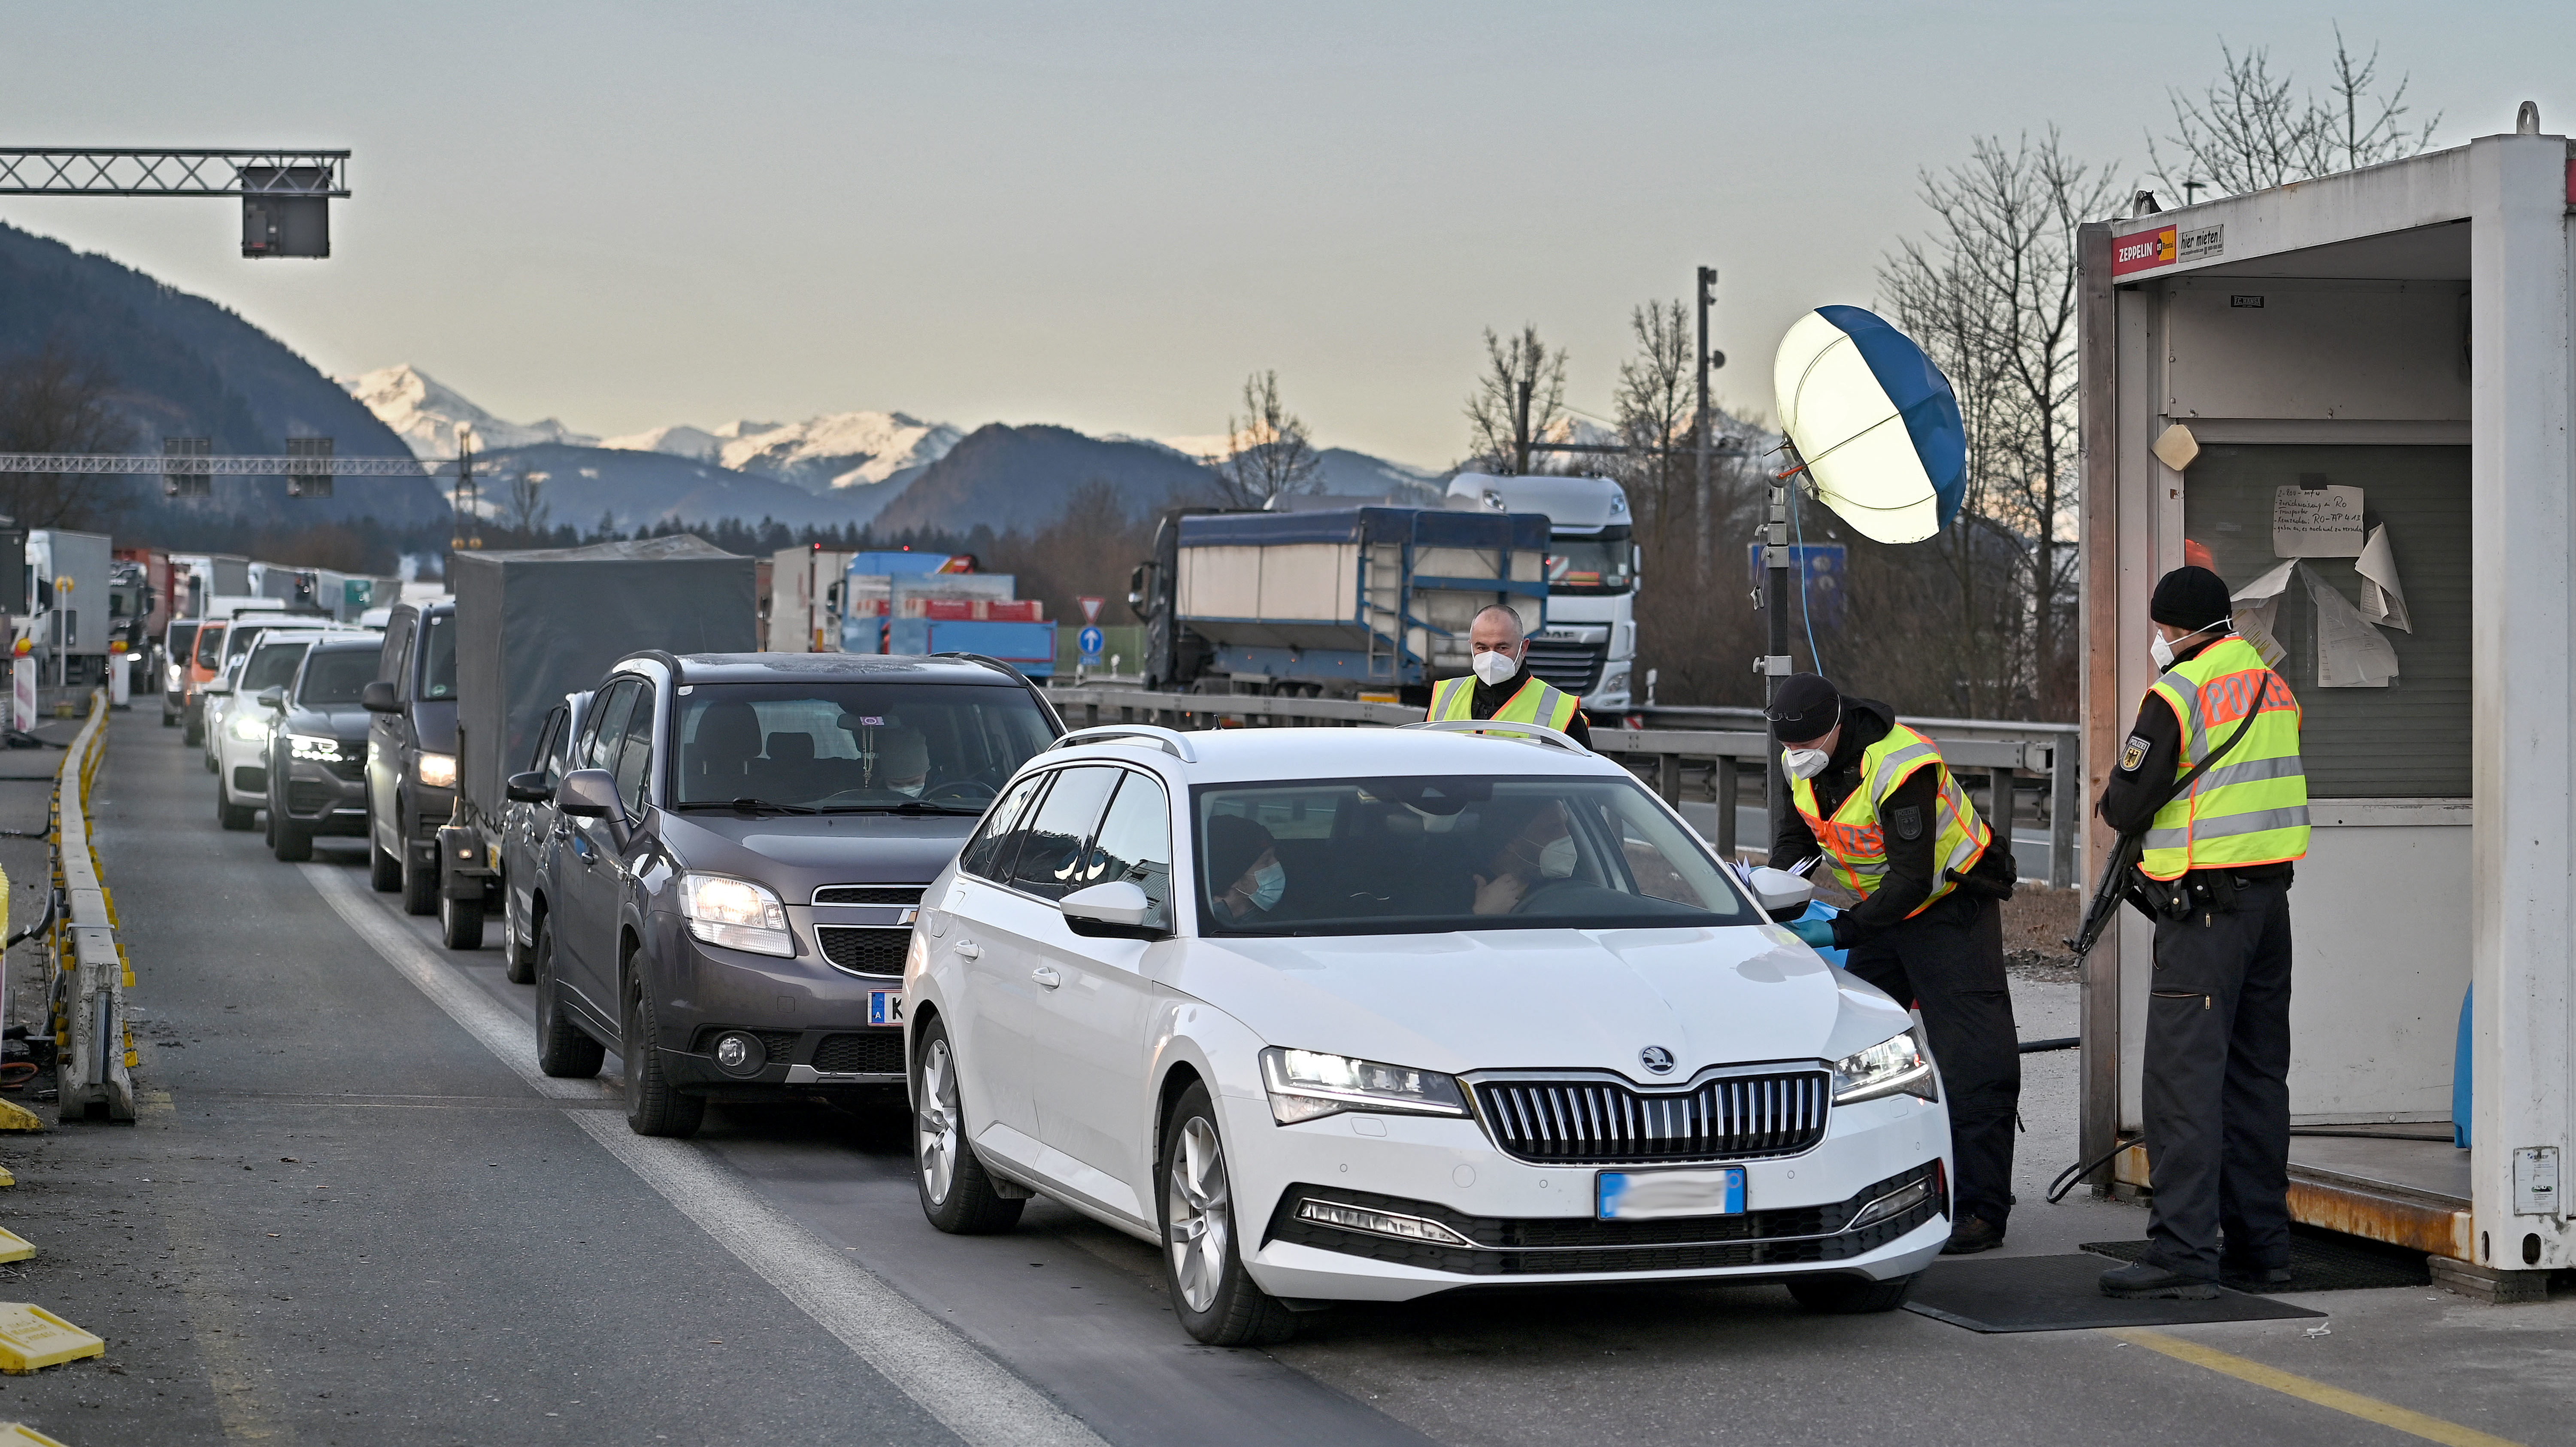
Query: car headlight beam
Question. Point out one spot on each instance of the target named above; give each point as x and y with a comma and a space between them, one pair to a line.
736, 914
1898, 1065
314, 748
437, 771
1306, 1084
250, 728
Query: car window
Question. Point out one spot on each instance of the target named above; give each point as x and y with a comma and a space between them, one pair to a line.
1451, 853
210, 646
1135, 844
273, 666
183, 639
635, 752
830, 744
397, 648
241, 640
1052, 850
543, 754
438, 657
607, 725
335, 677
985, 854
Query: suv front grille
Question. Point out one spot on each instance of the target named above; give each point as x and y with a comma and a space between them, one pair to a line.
906, 894
1733, 1117
874, 1052
864, 951
309, 796
1573, 667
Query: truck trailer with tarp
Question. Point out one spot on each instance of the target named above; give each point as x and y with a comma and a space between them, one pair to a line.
2351, 398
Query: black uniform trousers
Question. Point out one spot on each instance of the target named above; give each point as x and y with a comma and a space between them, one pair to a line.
2217, 1091
1948, 962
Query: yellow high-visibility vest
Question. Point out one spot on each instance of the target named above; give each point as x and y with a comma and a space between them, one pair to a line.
2252, 806
1537, 701
1854, 840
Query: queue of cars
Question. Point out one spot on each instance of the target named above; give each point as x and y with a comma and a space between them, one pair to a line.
1321, 1023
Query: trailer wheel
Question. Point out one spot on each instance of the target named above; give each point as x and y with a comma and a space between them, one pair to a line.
460, 922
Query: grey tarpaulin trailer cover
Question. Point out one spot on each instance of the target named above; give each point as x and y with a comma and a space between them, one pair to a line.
533, 626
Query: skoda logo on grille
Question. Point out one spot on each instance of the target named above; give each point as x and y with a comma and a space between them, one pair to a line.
1657, 1059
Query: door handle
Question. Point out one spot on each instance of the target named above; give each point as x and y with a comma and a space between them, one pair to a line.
1046, 976
969, 950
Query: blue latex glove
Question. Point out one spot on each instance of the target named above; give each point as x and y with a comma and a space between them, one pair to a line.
1816, 932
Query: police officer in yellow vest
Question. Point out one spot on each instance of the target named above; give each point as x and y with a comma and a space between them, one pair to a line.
1502, 687
1874, 798
2218, 863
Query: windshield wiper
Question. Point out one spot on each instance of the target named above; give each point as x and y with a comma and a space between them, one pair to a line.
748, 806
908, 806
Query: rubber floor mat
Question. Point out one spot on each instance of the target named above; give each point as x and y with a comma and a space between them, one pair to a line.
2321, 1261
2063, 1293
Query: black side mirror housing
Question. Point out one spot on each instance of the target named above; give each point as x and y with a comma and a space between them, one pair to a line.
272, 698
529, 788
588, 794
378, 697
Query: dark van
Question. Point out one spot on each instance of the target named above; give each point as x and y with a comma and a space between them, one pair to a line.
411, 751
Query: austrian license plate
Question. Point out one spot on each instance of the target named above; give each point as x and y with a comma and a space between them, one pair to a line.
885, 1007
1655, 1195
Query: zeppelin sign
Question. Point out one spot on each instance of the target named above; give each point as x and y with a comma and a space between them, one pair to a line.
2147, 250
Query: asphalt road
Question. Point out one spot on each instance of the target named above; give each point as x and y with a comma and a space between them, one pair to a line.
354, 1212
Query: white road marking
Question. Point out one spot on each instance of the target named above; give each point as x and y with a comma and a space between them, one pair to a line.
953, 1380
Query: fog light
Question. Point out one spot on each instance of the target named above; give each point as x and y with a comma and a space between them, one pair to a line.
1903, 1198
1379, 1223
738, 1053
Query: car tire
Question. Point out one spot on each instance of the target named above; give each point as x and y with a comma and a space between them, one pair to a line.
956, 1191
564, 1050
384, 872
519, 961
195, 735
460, 923
169, 720
232, 816
291, 843
419, 886
1217, 1301
1849, 1295
654, 1106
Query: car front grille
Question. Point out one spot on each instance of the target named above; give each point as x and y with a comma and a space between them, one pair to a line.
353, 768
1570, 1245
869, 1052
309, 796
864, 951
1732, 1117
1573, 667
904, 894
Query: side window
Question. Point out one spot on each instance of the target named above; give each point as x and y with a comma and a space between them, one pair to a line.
986, 855
1135, 845
389, 660
1051, 857
635, 752
543, 755
607, 726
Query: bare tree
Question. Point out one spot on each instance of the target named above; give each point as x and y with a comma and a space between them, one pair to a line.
1519, 399
523, 509
2247, 130
56, 400
1268, 452
1991, 295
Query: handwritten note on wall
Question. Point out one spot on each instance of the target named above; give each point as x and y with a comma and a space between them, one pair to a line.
2316, 522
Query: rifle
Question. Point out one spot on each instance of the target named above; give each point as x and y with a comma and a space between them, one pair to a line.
2128, 849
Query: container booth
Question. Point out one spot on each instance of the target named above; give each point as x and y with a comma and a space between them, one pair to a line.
2372, 378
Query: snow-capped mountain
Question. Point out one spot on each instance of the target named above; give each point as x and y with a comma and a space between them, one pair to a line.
425, 413
830, 453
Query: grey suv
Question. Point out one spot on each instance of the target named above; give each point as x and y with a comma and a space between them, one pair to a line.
738, 846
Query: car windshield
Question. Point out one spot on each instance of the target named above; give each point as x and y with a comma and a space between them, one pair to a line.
438, 657
210, 646
335, 676
273, 665
854, 746
1600, 564
1409, 855
183, 637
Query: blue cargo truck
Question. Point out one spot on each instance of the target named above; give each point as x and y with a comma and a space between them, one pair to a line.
1331, 603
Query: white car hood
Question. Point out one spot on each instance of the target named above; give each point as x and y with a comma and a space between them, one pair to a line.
1545, 999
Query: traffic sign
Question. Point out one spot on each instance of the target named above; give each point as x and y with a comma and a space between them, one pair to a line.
1090, 614
1090, 640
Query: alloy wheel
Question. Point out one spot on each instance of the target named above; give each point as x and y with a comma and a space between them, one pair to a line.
1201, 1213
938, 1122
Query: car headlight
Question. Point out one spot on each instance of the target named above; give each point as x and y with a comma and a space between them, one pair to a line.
1305, 1084
1895, 1066
250, 728
736, 914
438, 771
308, 746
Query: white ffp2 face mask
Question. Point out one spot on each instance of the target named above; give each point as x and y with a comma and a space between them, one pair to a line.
2163, 652
1493, 666
1556, 859
1804, 763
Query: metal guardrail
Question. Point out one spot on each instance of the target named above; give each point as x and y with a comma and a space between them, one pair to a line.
94, 1046
1716, 761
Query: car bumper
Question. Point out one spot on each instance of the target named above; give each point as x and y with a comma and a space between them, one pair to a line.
321, 801
1532, 1225
813, 1020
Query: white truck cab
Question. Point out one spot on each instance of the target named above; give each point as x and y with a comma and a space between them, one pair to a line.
1589, 644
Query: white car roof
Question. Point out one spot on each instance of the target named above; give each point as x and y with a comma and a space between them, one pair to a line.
1234, 756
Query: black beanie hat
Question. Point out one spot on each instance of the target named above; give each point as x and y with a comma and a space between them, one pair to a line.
1806, 708
1233, 843
2190, 598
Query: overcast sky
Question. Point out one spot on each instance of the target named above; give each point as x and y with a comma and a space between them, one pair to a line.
1105, 215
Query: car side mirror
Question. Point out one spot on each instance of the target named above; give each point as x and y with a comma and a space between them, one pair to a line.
378, 697
272, 698
1782, 895
589, 794
1116, 910
219, 690
529, 788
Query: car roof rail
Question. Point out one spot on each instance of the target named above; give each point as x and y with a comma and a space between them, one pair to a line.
1529, 733
1170, 741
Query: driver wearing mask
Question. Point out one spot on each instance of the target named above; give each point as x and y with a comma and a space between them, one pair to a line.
1540, 851
903, 762
1241, 852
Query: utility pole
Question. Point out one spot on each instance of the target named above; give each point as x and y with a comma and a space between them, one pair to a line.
468, 497
1699, 433
1775, 607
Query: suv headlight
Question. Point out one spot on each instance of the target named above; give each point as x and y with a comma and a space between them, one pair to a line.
250, 728
1895, 1066
736, 914
438, 771
308, 746
1305, 1084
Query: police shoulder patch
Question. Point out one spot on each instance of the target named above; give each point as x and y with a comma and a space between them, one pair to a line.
2134, 755
1908, 821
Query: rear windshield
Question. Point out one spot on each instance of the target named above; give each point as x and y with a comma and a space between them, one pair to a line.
273, 666
183, 636
855, 746
210, 646
438, 657
336, 676
1409, 855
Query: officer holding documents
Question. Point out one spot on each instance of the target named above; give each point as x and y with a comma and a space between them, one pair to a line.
1875, 800
2216, 872
1502, 687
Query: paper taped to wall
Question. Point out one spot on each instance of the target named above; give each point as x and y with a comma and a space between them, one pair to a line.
2382, 601
2316, 522
2351, 653
2258, 610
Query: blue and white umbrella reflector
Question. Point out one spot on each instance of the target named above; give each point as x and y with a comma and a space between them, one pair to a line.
1876, 422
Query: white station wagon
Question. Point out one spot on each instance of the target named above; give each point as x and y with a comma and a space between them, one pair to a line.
1363, 1015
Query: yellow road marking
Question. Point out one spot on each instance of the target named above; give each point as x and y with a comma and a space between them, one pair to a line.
2354, 1404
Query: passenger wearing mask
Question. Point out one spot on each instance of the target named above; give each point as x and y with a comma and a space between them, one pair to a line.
1539, 851
1245, 877
1502, 687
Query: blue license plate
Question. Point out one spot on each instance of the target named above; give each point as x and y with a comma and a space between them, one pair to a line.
1657, 1195
885, 1007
